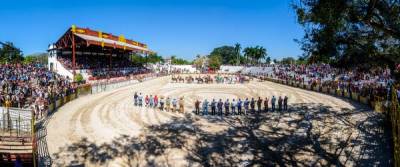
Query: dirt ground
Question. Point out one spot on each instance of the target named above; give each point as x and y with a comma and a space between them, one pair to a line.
106, 129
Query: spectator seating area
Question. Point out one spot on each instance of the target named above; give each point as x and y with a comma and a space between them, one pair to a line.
230, 69
369, 83
99, 66
31, 85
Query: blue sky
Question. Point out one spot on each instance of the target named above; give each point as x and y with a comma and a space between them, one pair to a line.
183, 28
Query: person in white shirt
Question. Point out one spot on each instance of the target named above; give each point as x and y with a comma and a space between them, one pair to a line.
233, 106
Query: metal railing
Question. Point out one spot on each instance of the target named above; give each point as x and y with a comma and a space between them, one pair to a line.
16, 122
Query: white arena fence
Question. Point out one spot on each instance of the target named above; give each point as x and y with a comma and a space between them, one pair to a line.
230, 69
95, 88
107, 86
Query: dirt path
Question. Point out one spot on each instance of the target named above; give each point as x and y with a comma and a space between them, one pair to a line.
106, 129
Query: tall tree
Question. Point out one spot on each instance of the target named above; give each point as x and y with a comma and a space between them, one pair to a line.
9, 53
261, 53
179, 61
154, 58
249, 53
41, 58
214, 62
255, 54
227, 53
238, 49
350, 33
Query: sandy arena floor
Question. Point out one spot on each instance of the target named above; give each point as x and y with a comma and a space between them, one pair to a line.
106, 129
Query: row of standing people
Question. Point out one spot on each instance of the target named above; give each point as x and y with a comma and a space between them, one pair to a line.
240, 106
150, 101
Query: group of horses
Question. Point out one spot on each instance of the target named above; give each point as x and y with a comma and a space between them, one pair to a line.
208, 79
190, 79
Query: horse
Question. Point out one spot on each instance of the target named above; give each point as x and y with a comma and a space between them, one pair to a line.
180, 79
199, 80
189, 79
173, 79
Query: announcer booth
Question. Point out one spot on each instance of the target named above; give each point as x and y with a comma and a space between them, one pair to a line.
90, 52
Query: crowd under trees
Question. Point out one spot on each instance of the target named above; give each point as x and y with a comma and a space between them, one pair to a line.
348, 33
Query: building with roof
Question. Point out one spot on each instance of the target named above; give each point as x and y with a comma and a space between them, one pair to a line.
90, 52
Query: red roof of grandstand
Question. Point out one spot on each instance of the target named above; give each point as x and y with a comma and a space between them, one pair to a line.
98, 38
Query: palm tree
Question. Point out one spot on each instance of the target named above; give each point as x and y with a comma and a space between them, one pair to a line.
248, 53
237, 50
262, 53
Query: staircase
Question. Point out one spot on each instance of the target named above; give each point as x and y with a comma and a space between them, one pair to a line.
13, 147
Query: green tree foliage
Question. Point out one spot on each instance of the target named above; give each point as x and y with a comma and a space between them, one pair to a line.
78, 78
154, 58
350, 33
238, 50
199, 61
255, 54
268, 60
138, 59
288, 60
38, 57
214, 62
227, 54
9, 53
179, 61
142, 59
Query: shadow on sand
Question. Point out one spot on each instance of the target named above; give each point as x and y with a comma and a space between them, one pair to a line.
307, 135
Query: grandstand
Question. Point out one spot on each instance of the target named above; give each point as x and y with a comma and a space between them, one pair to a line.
94, 54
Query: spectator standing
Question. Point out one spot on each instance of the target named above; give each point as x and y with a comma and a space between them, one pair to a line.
266, 104
273, 100
155, 101
246, 106
285, 103
174, 104
252, 105
146, 100
205, 107
239, 106
259, 102
233, 107
162, 103
197, 107
219, 105
168, 104
280, 100
226, 104
135, 98
181, 103
213, 106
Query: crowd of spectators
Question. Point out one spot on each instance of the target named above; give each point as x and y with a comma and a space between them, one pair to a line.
95, 61
103, 66
369, 83
103, 73
31, 85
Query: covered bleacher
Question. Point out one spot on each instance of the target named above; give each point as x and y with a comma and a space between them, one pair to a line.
95, 54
